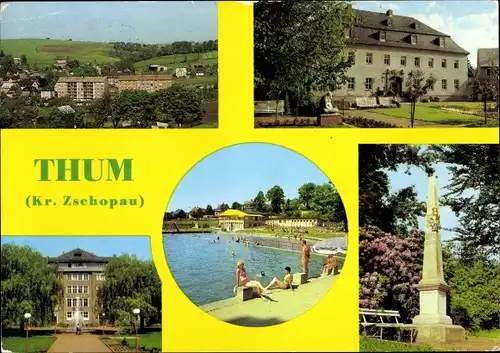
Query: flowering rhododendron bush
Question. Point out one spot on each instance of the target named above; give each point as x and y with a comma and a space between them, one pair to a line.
390, 269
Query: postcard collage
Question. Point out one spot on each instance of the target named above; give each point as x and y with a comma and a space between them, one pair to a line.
249, 176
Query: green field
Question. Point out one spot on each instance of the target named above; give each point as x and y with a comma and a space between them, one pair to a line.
177, 60
431, 115
36, 343
148, 340
377, 345
43, 52
465, 106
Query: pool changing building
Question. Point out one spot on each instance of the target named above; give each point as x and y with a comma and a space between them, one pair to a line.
234, 220
82, 274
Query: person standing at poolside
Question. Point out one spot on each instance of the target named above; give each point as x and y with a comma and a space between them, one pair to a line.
241, 276
306, 256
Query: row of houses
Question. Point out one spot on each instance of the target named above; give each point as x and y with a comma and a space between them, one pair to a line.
385, 47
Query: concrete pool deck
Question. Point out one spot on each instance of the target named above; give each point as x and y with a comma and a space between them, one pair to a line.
280, 306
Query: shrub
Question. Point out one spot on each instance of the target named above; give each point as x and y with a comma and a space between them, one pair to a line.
367, 123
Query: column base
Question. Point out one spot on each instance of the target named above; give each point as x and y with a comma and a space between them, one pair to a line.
430, 334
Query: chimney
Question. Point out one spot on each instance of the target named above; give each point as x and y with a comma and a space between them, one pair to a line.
389, 13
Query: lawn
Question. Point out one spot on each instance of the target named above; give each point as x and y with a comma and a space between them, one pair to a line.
178, 60
493, 335
378, 345
465, 106
431, 115
203, 80
148, 340
36, 343
43, 52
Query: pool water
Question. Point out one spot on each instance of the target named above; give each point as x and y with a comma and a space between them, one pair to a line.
206, 272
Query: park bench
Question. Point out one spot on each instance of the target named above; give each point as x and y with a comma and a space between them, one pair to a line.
380, 319
269, 107
386, 102
366, 102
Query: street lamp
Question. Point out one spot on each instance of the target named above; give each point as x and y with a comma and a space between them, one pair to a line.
103, 318
27, 316
136, 312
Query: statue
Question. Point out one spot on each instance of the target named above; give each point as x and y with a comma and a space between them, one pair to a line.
434, 220
327, 106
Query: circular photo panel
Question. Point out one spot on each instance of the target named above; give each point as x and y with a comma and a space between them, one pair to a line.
255, 234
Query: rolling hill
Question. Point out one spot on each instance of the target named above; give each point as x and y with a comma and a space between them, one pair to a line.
178, 60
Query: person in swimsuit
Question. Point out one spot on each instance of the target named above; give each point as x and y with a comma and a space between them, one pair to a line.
329, 265
287, 281
241, 276
306, 255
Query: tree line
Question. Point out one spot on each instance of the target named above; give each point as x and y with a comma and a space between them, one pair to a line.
314, 200
31, 284
391, 244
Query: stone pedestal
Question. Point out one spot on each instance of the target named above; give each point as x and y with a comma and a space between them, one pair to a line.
244, 293
299, 278
432, 305
430, 334
335, 270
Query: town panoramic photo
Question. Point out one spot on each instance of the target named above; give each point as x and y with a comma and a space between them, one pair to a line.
255, 248
376, 64
136, 64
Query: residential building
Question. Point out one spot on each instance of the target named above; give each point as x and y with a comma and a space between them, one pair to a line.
10, 89
81, 88
149, 83
181, 72
487, 62
47, 94
82, 273
385, 47
234, 220
293, 222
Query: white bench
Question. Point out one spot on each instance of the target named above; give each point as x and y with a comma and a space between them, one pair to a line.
366, 102
269, 107
386, 102
381, 319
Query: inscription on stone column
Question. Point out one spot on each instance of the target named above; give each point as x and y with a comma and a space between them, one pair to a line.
434, 220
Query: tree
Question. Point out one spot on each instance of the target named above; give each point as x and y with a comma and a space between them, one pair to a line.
223, 207
130, 283
394, 213
474, 197
260, 202
470, 70
179, 214
24, 60
29, 284
299, 46
197, 212
135, 107
417, 86
102, 111
306, 194
326, 202
209, 210
58, 119
486, 86
180, 104
236, 205
276, 197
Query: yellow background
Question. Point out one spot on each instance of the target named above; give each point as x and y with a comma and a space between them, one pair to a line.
163, 157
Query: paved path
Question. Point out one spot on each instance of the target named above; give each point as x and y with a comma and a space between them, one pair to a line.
71, 343
282, 306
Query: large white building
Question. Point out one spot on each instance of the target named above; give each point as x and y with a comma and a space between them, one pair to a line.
386, 47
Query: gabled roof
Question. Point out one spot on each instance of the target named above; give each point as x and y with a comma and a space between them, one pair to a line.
369, 24
78, 256
487, 57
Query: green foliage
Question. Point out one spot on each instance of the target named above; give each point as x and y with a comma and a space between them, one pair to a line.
57, 119
417, 86
306, 192
366, 123
299, 46
276, 197
236, 205
29, 284
260, 202
180, 104
130, 283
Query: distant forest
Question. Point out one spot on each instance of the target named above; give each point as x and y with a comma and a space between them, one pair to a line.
138, 52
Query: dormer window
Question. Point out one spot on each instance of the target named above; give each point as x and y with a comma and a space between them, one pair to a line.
441, 42
415, 25
389, 22
413, 39
78, 254
381, 36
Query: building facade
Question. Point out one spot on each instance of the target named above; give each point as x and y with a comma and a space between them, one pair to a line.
82, 273
384, 48
293, 222
487, 62
234, 220
90, 88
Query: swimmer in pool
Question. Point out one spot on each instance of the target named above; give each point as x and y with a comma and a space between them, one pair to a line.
262, 273
241, 276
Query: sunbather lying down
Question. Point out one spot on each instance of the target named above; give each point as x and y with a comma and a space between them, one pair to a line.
287, 281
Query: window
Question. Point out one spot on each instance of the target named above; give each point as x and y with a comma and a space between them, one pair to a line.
443, 63
382, 36
431, 62
68, 302
456, 84
403, 61
101, 265
86, 276
85, 315
100, 276
413, 39
415, 25
387, 59
441, 42
85, 302
74, 302
369, 58
85, 289
68, 289
75, 289
455, 64
80, 276
416, 62
351, 58
69, 315
444, 85
488, 72
80, 289
369, 83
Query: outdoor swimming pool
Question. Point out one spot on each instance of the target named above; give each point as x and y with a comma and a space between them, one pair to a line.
205, 271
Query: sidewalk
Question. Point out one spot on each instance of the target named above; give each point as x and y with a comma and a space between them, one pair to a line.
281, 305
85, 343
